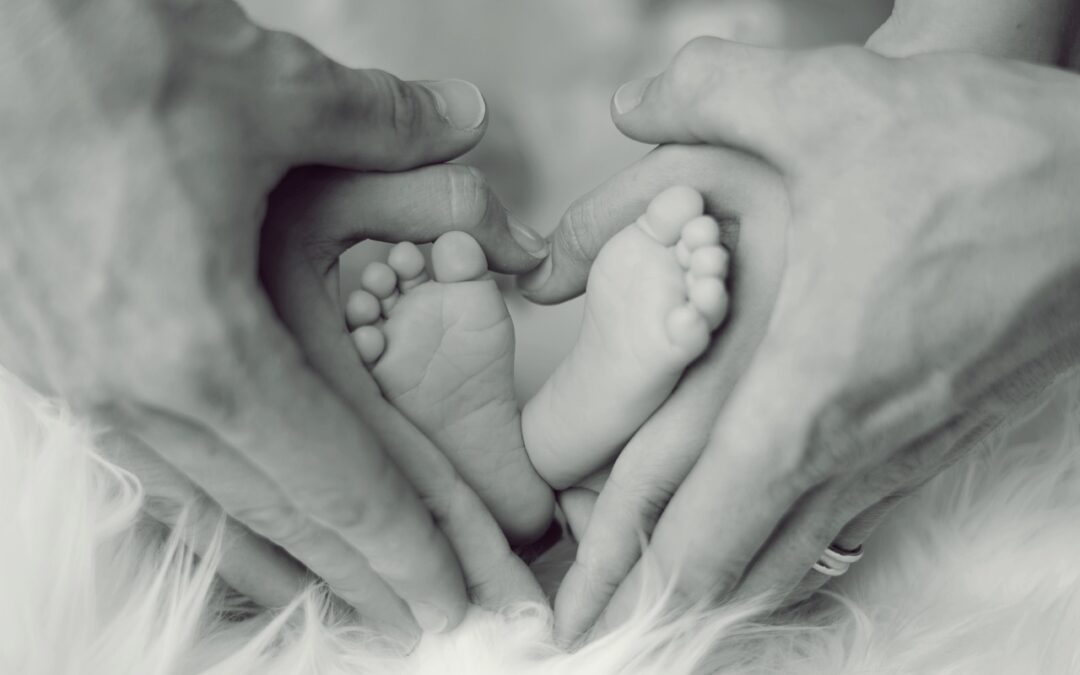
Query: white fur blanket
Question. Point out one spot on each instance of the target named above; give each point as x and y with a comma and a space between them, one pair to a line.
977, 573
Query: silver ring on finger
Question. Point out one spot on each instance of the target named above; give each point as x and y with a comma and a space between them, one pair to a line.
836, 560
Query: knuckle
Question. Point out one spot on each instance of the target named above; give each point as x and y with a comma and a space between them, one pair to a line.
794, 421
832, 438
692, 67
281, 523
579, 231
600, 584
470, 197
294, 60
398, 561
696, 56
163, 508
450, 499
601, 575
831, 64
823, 439
854, 77
295, 65
710, 579
395, 104
406, 109
346, 580
344, 510
484, 580
644, 495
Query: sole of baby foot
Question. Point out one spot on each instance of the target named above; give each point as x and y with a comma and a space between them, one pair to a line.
655, 294
442, 351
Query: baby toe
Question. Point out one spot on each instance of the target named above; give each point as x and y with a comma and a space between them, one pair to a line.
361, 309
370, 343
700, 232
668, 212
683, 255
710, 299
380, 280
457, 257
709, 261
407, 261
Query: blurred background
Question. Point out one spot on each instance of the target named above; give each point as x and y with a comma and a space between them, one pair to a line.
548, 69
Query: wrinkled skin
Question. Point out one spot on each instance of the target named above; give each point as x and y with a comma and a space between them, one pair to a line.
928, 286
142, 141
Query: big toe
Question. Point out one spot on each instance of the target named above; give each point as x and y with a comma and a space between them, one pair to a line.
457, 257
688, 329
669, 211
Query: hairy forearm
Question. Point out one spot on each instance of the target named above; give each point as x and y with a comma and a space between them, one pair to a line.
1030, 30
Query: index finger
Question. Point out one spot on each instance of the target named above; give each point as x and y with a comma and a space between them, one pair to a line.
726, 178
334, 208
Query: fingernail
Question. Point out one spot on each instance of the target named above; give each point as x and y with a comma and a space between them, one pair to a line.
630, 94
431, 618
528, 239
459, 102
533, 280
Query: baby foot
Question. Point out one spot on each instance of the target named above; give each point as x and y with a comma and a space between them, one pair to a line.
655, 294
442, 353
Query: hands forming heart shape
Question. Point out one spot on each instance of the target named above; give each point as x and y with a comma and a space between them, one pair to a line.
906, 251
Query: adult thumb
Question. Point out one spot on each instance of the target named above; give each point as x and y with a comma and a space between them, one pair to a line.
767, 102
362, 119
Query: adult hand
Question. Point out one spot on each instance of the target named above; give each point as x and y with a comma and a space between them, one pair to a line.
642, 479
149, 136
913, 313
748, 198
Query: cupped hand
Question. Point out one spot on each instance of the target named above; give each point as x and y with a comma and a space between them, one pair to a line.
748, 198
929, 287
149, 136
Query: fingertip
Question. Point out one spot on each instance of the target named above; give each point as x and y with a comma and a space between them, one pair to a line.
572, 618
532, 283
629, 96
528, 239
628, 112
471, 206
440, 605
577, 505
459, 103
565, 271
431, 618
511, 246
